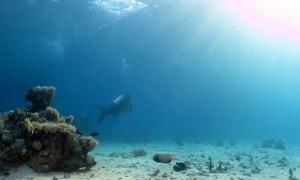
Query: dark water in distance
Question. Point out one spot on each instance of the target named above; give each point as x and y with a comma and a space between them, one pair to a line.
194, 72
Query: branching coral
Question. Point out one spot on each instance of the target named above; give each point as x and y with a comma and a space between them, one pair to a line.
54, 127
88, 142
40, 97
31, 126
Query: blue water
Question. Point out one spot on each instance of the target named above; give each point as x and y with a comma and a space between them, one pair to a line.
193, 72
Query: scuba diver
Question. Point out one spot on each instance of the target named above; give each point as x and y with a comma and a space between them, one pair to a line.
121, 103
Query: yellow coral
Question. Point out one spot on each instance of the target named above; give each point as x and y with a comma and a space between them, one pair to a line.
31, 126
3, 116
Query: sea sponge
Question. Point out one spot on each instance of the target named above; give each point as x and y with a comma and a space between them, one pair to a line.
51, 114
40, 97
88, 142
37, 145
23, 151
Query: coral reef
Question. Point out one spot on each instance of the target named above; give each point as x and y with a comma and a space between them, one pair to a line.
88, 142
3, 116
219, 143
272, 143
178, 141
41, 97
232, 143
279, 144
139, 152
51, 114
267, 143
43, 139
1, 124
69, 119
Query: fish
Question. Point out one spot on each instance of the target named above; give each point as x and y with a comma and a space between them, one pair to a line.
95, 134
179, 167
78, 132
163, 158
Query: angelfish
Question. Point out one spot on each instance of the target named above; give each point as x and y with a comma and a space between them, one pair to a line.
163, 158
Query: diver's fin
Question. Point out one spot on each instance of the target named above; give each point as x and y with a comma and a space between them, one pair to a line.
102, 116
130, 107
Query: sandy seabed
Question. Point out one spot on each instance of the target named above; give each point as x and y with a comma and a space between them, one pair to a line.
243, 161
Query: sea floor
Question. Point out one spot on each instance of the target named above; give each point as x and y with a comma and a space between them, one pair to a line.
243, 161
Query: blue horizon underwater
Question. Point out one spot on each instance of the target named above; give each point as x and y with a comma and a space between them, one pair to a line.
196, 71
202, 82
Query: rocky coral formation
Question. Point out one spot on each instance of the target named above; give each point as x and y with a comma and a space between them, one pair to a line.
43, 139
41, 97
272, 143
139, 152
88, 142
3, 116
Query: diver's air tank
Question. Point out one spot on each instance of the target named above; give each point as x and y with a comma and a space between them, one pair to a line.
120, 98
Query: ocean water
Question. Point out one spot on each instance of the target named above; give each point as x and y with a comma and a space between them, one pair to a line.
197, 70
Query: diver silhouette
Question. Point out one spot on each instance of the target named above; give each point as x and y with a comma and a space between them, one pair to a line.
121, 104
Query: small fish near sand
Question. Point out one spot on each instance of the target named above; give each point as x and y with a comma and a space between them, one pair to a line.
94, 134
163, 158
179, 167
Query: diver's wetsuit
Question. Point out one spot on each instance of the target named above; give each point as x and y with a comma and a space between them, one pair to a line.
121, 103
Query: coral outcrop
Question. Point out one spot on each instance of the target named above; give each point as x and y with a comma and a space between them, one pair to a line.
41, 138
88, 142
273, 143
139, 152
40, 97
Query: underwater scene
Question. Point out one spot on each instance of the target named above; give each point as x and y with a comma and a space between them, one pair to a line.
149, 89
